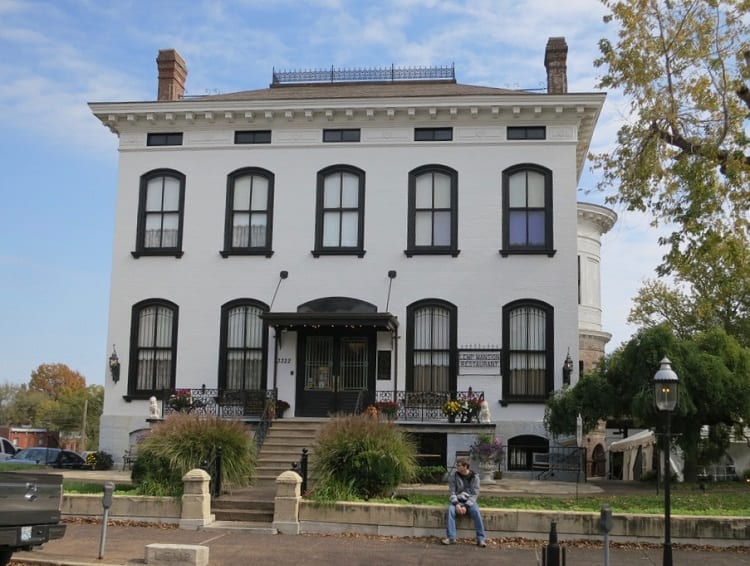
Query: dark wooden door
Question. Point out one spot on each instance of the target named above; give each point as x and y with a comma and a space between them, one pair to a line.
333, 367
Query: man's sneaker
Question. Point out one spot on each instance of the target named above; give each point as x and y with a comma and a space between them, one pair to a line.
448, 541
482, 543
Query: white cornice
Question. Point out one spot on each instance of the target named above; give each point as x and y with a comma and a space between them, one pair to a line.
579, 110
600, 216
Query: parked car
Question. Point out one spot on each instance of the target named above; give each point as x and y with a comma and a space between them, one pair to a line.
6, 449
55, 457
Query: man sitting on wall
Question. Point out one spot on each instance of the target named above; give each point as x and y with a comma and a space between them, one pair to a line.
463, 487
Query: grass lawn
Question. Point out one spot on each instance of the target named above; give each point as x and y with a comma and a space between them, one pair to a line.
720, 499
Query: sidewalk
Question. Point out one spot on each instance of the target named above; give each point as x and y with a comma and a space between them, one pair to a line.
125, 545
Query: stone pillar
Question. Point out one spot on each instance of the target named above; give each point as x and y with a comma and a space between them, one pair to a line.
286, 503
196, 500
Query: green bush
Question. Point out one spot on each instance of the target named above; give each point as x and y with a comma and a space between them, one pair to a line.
362, 455
430, 474
100, 460
184, 441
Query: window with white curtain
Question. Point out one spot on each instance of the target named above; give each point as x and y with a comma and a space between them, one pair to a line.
527, 339
160, 213
433, 211
340, 211
431, 346
154, 348
527, 210
242, 346
249, 212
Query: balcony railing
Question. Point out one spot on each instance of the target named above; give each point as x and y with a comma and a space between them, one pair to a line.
430, 406
229, 403
414, 406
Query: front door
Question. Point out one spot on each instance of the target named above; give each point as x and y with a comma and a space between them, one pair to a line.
333, 368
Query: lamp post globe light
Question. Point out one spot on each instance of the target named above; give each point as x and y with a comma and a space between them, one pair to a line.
665, 397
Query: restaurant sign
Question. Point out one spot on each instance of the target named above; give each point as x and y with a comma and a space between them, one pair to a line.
479, 362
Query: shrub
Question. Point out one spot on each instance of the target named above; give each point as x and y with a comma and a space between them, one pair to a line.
99, 460
362, 454
184, 441
431, 474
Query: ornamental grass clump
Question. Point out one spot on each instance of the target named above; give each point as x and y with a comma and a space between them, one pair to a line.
185, 441
359, 456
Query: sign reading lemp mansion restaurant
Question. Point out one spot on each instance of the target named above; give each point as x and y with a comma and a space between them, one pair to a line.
479, 362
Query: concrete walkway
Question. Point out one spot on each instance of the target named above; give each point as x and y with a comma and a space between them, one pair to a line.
125, 542
125, 545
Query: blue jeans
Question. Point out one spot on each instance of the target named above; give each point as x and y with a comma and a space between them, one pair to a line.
473, 512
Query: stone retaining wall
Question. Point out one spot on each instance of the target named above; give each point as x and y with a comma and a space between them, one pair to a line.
293, 515
124, 507
418, 520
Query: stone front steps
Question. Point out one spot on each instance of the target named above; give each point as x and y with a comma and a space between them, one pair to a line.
283, 446
253, 507
248, 505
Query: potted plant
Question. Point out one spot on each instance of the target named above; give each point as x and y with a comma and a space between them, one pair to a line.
281, 406
451, 409
471, 407
388, 409
488, 451
182, 401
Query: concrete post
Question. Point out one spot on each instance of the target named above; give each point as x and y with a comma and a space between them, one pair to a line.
196, 500
286, 503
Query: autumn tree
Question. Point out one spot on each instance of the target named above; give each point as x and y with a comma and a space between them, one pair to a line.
683, 154
56, 380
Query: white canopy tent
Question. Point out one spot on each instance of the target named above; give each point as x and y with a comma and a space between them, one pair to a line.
642, 441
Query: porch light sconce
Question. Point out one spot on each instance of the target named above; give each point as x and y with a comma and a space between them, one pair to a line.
567, 369
282, 275
391, 277
114, 365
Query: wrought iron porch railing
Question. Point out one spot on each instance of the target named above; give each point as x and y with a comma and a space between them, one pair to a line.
229, 403
430, 406
259, 404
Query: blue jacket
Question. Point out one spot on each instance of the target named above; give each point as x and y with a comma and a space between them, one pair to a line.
463, 489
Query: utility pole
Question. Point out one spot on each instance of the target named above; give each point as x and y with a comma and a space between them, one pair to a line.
83, 424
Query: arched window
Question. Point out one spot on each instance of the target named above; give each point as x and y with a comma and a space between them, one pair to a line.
242, 346
249, 213
431, 346
340, 211
527, 210
528, 336
160, 213
153, 348
433, 211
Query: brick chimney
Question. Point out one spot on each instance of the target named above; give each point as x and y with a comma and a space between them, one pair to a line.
555, 60
172, 75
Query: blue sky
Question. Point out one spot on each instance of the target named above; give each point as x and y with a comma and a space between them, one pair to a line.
58, 164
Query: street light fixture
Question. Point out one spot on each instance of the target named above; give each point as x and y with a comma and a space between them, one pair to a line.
665, 397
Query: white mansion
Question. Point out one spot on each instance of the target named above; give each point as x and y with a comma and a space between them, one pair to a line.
344, 237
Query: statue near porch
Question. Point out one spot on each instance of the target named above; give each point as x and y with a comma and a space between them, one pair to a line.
153, 406
484, 413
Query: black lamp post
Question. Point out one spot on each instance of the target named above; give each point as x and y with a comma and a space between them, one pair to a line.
665, 397
114, 365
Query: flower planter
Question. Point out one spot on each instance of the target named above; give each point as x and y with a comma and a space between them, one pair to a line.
487, 471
